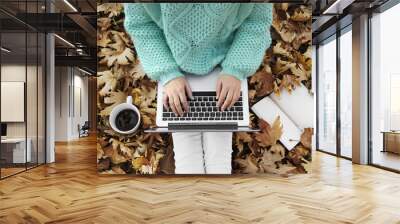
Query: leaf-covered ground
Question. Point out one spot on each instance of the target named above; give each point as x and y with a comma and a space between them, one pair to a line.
286, 67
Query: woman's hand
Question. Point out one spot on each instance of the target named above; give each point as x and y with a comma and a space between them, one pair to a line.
175, 95
228, 91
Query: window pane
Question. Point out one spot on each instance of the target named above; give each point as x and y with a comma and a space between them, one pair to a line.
327, 96
346, 94
385, 84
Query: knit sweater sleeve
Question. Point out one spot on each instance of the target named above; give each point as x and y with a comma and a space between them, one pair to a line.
250, 42
150, 44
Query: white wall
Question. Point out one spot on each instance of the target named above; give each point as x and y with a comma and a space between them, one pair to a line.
70, 81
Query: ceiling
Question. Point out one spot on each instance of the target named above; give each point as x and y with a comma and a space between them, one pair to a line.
72, 20
331, 15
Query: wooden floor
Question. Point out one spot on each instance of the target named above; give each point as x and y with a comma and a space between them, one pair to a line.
70, 191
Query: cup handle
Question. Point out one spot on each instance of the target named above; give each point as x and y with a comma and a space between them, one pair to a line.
129, 100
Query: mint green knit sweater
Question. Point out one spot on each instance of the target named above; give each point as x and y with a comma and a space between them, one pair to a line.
173, 38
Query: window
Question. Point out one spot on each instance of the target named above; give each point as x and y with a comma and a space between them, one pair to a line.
346, 93
385, 89
327, 96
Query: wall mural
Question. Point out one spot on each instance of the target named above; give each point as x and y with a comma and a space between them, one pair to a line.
284, 74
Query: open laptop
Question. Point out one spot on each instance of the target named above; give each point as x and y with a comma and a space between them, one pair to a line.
204, 114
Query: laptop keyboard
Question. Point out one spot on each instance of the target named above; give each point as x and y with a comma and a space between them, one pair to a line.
204, 108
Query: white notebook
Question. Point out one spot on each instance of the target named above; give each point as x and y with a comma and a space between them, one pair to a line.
268, 110
298, 105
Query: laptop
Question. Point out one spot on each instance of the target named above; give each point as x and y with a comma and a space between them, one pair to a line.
204, 115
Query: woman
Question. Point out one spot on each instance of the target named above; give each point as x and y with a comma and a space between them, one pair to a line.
172, 39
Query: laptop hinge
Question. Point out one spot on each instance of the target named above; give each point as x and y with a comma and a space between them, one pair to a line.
202, 126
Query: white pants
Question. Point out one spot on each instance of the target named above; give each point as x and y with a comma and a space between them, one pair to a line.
202, 152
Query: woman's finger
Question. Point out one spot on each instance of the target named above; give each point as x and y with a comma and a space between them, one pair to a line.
236, 97
165, 101
189, 91
228, 99
183, 99
177, 104
222, 96
219, 87
171, 104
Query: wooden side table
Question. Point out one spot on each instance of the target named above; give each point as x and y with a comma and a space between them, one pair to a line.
391, 141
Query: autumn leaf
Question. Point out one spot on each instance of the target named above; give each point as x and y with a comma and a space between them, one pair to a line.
100, 152
269, 135
137, 163
263, 81
114, 155
122, 148
117, 170
298, 154
110, 9
241, 138
301, 14
111, 100
104, 24
283, 49
118, 51
103, 39
274, 154
248, 165
289, 82
306, 137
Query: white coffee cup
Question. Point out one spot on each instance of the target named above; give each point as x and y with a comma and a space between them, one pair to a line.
124, 106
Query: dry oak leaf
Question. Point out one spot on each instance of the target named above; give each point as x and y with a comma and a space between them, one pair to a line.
283, 49
137, 71
110, 9
269, 135
299, 71
306, 137
107, 81
104, 24
110, 56
289, 82
100, 152
155, 157
114, 155
125, 150
113, 99
117, 170
282, 6
272, 155
248, 165
285, 30
304, 59
138, 162
103, 39
282, 66
241, 138
118, 51
298, 154
263, 81
301, 14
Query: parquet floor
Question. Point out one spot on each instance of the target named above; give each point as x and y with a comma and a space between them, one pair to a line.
70, 191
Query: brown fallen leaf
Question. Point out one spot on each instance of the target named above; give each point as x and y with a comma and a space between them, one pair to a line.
306, 137
241, 138
268, 134
274, 154
248, 165
113, 99
137, 163
263, 81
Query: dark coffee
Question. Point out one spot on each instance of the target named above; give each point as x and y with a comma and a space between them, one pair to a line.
126, 120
